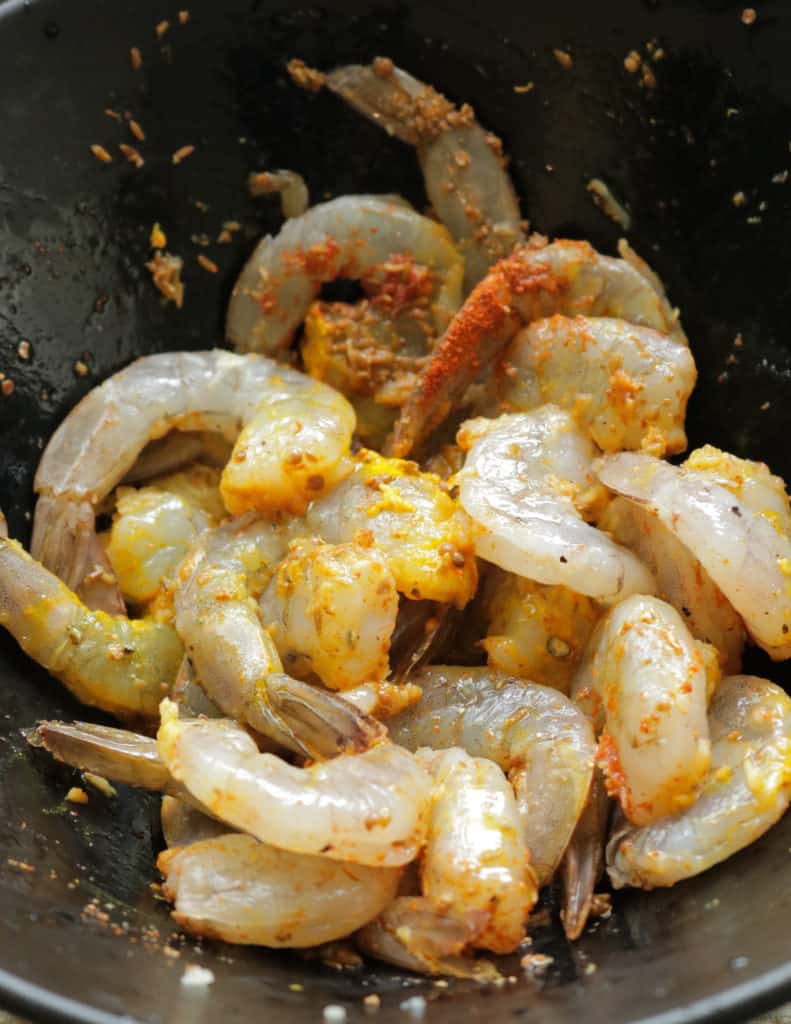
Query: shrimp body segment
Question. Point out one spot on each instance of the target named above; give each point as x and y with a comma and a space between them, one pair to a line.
746, 791
740, 533
520, 480
370, 808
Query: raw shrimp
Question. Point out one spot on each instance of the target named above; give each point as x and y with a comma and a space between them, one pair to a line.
235, 658
294, 447
117, 664
747, 790
411, 520
463, 166
98, 442
583, 861
535, 631
537, 280
626, 385
541, 740
383, 700
681, 579
369, 808
344, 237
331, 610
646, 683
520, 480
476, 861
740, 533
239, 890
189, 451
294, 196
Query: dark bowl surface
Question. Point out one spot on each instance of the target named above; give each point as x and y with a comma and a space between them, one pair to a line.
82, 936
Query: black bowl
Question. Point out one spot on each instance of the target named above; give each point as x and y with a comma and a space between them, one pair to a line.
82, 937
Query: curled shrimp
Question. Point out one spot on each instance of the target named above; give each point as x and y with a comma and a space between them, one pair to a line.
344, 237
369, 808
463, 166
234, 888
681, 579
520, 480
410, 518
541, 740
626, 385
290, 186
331, 610
120, 665
537, 280
734, 519
746, 791
98, 442
646, 681
535, 631
235, 658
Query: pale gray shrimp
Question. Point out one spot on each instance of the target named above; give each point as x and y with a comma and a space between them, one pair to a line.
738, 527
331, 610
100, 439
626, 385
294, 196
583, 861
520, 480
370, 808
646, 683
239, 890
747, 790
536, 632
120, 665
236, 659
541, 740
476, 862
410, 519
463, 166
344, 237
537, 280
681, 579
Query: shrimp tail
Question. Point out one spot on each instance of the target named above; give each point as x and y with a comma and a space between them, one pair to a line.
313, 721
583, 861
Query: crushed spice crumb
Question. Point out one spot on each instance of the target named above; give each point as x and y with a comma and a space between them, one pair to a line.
207, 264
101, 154
80, 368
564, 58
23, 351
305, 77
7, 387
158, 239
182, 154
749, 16
166, 274
131, 154
136, 130
184, 17
739, 199
77, 795
632, 62
113, 114
527, 87
136, 58
162, 28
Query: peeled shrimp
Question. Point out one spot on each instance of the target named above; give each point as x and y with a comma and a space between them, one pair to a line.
520, 480
538, 737
646, 682
746, 791
410, 519
117, 664
294, 196
100, 439
738, 528
236, 659
537, 280
681, 579
342, 238
237, 889
626, 385
535, 631
476, 861
463, 165
331, 610
369, 808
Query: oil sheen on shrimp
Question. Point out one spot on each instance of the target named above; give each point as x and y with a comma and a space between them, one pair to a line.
646, 682
537, 280
100, 439
737, 526
520, 480
543, 742
626, 385
234, 656
237, 889
344, 237
331, 610
746, 791
370, 808
463, 166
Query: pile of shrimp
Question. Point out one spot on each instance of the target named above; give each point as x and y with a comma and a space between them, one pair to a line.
414, 632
